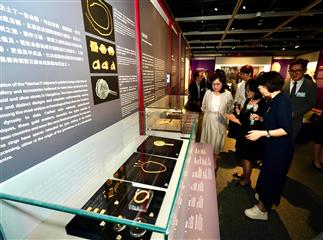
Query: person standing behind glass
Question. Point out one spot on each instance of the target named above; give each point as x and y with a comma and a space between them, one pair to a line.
217, 103
278, 145
207, 80
249, 152
246, 73
196, 92
302, 92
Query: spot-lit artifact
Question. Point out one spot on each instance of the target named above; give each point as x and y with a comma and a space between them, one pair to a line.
102, 89
111, 51
160, 143
103, 49
101, 24
146, 166
113, 66
94, 46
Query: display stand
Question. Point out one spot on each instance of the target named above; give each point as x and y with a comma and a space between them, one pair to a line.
196, 214
68, 193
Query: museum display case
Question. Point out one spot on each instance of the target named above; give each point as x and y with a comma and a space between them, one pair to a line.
121, 189
169, 114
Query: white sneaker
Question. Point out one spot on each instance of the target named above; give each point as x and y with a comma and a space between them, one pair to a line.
256, 213
257, 196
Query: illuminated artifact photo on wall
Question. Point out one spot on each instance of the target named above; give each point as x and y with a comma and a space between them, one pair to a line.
105, 88
98, 18
102, 56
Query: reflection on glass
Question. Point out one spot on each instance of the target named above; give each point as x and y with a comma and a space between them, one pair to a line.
137, 232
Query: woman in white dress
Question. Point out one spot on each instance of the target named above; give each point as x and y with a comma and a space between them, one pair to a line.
217, 103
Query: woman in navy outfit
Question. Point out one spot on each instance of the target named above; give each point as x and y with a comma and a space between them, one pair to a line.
249, 152
278, 145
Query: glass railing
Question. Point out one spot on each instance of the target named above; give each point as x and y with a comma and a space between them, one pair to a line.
116, 179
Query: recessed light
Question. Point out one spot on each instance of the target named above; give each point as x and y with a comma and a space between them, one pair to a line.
232, 28
244, 7
296, 46
216, 9
283, 49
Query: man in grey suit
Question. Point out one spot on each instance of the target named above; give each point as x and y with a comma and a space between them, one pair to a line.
301, 91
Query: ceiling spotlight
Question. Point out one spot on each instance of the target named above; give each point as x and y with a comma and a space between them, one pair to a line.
216, 9
244, 7
232, 28
283, 49
202, 21
296, 46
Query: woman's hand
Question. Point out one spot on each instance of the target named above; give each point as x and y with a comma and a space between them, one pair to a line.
254, 135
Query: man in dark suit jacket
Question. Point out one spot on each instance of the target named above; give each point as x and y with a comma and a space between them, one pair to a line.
196, 92
302, 92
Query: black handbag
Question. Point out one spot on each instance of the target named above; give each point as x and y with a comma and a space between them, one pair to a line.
233, 129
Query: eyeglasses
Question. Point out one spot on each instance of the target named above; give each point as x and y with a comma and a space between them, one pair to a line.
297, 71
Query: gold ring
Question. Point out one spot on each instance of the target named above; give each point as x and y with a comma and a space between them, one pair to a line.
135, 197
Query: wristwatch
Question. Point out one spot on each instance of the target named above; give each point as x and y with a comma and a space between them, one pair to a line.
268, 134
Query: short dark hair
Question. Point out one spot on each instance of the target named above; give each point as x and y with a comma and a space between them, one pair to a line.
220, 72
300, 61
253, 85
248, 69
195, 75
222, 79
272, 80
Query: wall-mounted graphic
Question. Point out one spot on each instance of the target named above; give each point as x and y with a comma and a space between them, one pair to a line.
102, 56
98, 18
104, 88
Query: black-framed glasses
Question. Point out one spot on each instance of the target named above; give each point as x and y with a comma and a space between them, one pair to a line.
297, 71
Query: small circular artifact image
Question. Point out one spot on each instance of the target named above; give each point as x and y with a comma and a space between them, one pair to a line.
102, 88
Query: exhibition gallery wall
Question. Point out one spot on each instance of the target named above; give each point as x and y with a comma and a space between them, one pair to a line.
69, 71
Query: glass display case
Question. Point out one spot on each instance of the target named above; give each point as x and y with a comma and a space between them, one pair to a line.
169, 114
121, 189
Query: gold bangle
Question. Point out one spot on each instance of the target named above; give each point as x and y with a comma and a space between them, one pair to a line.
137, 193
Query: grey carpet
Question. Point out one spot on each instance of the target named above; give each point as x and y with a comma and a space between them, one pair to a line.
299, 215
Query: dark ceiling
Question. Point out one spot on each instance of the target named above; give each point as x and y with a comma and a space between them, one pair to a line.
250, 27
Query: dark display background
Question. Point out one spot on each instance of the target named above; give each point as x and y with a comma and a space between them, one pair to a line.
169, 151
132, 171
105, 198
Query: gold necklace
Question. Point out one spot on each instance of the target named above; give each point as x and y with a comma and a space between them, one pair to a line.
102, 30
142, 166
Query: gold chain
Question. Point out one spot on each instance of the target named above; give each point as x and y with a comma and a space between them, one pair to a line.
142, 166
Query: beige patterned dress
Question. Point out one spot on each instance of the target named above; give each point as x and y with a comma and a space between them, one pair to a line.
215, 124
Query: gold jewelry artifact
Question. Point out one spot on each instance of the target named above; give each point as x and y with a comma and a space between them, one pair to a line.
102, 89
102, 30
143, 164
141, 192
161, 143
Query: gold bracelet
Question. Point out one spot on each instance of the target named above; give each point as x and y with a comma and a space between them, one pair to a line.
137, 193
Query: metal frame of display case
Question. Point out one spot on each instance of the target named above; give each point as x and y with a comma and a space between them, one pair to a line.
84, 213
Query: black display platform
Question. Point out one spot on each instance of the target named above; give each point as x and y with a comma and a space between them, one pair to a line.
116, 198
171, 148
147, 169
